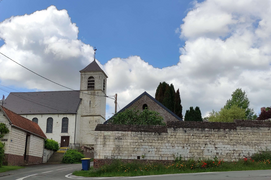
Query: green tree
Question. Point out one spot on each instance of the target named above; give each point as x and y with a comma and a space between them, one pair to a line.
166, 95
240, 99
135, 117
3, 130
193, 115
198, 114
228, 115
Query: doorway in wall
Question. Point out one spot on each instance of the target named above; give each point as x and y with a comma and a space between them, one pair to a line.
65, 141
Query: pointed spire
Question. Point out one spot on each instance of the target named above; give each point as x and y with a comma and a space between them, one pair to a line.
93, 67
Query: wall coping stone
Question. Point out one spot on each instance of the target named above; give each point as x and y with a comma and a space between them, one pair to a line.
131, 128
184, 124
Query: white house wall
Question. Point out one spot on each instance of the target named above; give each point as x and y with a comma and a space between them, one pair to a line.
36, 145
57, 125
17, 142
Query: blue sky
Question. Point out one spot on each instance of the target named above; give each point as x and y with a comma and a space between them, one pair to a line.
119, 28
207, 49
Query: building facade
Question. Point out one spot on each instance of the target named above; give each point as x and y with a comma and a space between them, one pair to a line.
68, 117
24, 143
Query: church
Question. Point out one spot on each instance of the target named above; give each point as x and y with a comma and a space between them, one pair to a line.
68, 117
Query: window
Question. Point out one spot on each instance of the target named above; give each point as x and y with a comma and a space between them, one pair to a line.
49, 126
65, 125
104, 85
91, 83
145, 106
35, 120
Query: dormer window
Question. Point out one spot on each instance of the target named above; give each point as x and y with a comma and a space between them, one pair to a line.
91, 83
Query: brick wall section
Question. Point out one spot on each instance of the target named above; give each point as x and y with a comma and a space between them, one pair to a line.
33, 160
228, 141
152, 105
13, 160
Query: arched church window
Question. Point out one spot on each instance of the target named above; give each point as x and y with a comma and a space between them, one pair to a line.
145, 106
65, 125
35, 120
91, 83
49, 125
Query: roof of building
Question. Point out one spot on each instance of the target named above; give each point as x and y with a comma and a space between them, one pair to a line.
23, 123
48, 102
93, 67
157, 102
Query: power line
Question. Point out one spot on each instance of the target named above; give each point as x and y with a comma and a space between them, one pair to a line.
46, 77
36, 73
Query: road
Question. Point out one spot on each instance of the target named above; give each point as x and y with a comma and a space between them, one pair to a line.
63, 172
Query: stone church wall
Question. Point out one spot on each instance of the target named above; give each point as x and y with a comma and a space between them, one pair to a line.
227, 141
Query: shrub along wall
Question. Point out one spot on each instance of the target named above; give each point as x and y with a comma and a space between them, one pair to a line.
228, 141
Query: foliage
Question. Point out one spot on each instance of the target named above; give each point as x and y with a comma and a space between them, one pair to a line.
265, 114
166, 95
193, 115
2, 153
261, 156
135, 117
227, 115
72, 156
118, 168
240, 99
9, 168
3, 130
51, 144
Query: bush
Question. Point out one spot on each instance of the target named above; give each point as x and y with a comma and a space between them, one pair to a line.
261, 156
136, 117
2, 153
51, 144
72, 156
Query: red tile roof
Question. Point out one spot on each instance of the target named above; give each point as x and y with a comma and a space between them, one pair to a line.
23, 123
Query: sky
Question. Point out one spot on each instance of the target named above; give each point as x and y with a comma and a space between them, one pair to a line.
206, 49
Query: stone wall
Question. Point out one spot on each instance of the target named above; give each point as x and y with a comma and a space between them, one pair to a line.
227, 141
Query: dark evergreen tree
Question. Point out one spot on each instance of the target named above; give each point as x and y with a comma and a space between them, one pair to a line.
186, 116
198, 114
166, 95
177, 104
193, 115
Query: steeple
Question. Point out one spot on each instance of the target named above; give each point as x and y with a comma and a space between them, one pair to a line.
93, 67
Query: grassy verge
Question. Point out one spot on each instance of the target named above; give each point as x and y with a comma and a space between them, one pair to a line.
9, 168
117, 168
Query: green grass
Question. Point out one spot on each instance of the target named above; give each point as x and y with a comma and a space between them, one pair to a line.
9, 168
117, 168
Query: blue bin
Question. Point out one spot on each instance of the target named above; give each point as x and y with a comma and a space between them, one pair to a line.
85, 164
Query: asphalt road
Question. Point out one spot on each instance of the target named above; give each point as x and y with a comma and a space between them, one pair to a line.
63, 172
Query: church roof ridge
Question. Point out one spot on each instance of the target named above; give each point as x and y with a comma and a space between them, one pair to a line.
93, 67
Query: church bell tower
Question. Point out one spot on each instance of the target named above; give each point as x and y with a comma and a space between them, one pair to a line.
93, 85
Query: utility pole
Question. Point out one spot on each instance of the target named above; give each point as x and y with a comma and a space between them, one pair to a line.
116, 102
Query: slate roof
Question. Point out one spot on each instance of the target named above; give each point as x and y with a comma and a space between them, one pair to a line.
48, 102
157, 102
93, 67
23, 123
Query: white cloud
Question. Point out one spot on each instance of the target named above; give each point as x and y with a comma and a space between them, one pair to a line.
45, 41
227, 47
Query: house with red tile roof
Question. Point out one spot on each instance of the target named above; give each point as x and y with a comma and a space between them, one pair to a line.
24, 143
